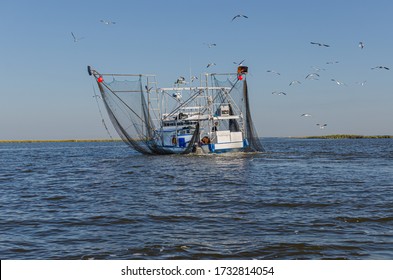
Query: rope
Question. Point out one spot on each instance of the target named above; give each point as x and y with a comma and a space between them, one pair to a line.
99, 109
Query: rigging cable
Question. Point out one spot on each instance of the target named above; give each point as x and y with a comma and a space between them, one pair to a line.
96, 96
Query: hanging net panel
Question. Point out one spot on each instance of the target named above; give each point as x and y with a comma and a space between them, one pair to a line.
129, 106
238, 101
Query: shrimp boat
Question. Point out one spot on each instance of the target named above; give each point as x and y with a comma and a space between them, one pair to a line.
209, 114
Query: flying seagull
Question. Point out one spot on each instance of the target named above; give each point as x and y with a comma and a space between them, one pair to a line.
305, 115
312, 76
322, 126
272, 71
210, 64
180, 80
148, 89
380, 67
76, 39
238, 16
107, 22
338, 82
239, 63
177, 95
319, 44
279, 93
332, 62
318, 69
294, 82
211, 44
361, 83
193, 78
361, 45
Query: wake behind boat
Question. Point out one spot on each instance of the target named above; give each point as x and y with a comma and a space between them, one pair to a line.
212, 117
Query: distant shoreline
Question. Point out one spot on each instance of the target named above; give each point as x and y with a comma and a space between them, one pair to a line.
60, 141
345, 136
334, 136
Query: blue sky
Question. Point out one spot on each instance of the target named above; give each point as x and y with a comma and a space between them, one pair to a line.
47, 94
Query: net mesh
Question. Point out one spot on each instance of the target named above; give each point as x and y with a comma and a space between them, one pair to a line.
238, 101
133, 107
126, 103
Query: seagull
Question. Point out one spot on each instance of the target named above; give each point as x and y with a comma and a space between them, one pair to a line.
210, 64
361, 83
322, 126
338, 82
180, 80
193, 78
380, 67
361, 45
272, 71
211, 45
238, 16
76, 39
320, 44
332, 62
107, 22
312, 76
148, 89
318, 69
305, 115
279, 93
294, 82
177, 95
239, 63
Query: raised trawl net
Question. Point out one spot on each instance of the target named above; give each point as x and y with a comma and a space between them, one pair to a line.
212, 117
238, 100
127, 103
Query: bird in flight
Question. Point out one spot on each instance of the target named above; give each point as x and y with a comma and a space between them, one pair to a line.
332, 62
338, 82
361, 45
180, 80
239, 63
107, 22
279, 93
272, 71
380, 67
305, 115
312, 76
321, 126
238, 16
294, 82
210, 64
318, 69
362, 83
211, 44
320, 44
76, 39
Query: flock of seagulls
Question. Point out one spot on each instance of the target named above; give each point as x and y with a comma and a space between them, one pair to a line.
106, 22
210, 45
310, 76
316, 75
